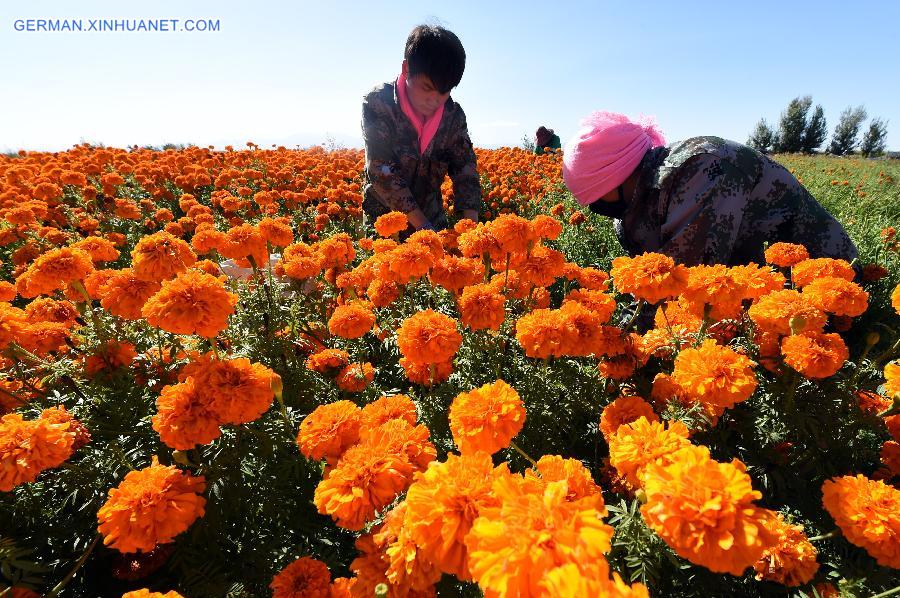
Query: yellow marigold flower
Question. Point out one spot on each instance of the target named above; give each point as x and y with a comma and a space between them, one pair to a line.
443, 503
868, 513
533, 529
487, 418
649, 276
791, 561
704, 511
428, 337
785, 255
192, 303
714, 376
304, 577
815, 354
837, 296
780, 311
151, 506
364, 481
329, 430
28, 447
624, 410
807, 271
636, 445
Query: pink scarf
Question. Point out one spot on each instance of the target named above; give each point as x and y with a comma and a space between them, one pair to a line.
425, 129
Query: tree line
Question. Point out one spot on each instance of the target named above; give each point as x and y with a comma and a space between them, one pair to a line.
800, 130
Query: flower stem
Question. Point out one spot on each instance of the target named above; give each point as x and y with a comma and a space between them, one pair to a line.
832, 534
891, 592
523, 453
78, 565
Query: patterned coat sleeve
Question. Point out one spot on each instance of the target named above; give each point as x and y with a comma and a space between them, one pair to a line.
381, 162
703, 211
463, 169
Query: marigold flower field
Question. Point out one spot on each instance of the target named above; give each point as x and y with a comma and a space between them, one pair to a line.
220, 381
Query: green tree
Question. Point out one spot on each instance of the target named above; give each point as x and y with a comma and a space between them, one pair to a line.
844, 139
762, 138
816, 131
792, 125
874, 139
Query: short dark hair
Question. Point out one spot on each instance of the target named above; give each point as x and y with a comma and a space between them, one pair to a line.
437, 53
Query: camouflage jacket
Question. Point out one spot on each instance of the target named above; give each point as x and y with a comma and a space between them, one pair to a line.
707, 200
398, 177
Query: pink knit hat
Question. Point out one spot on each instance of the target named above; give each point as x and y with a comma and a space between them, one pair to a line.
604, 153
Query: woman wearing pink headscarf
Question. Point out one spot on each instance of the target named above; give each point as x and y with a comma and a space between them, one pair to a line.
704, 200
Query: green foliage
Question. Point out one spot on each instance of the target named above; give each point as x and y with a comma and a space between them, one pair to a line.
875, 138
792, 125
845, 133
763, 138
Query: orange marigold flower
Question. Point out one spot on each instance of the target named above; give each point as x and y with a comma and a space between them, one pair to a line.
399, 437
161, 256
54, 270
301, 261
785, 255
624, 410
544, 333
443, 503
637, 444
533, 528
815, 354
791, 561
387, 408
45, 309
486, 418
895, 298
428, 337
595, 300
192, 303
787, 311
184, 416
391, 223
512, 233
546, 227
336, 251
704, 511
100, 249
892, 379
245, 242
592, 279
28, 447
579, 483
649, 276
329, 430
426, 374
837, 296
477, 242
383, 292
351, 320
714, 376
406, 571
151, 506
363, 482
872, 402
407, 263
327, 360
757, 281
240, 391
305, 577
276, 231
481, 307
355, 377
890, 456
715, 286
542, 266
145, 593
453, 273
7, 291
207, 240
868, 513
589, 579
807, 271
124, 294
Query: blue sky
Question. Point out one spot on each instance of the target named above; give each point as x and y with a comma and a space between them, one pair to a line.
294, 72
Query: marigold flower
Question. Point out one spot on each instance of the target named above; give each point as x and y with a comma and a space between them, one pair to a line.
145, 593
895, 298
443, 503
868, 514
579, 483
240, 391
785, 255
399, 437
185, 417
807, 271
54, 270
100, 249
512, 233
715, 286
453, 273
624, 410
637, 444
589, 579
405, 569
391, 223
890, 456
596, 301
542, 266
207, 240
45, 309
28, 447
592, 279
791, 561
837, 296
815, 354
481, 307
406, 263
245, 241
336, 251
193, 302
892, 379
387, 408
306, 577
486, 418
327, 360
301, 261
714, 376
363, 482
785, 312
351, 320
151, 506
276, 231
649, 276
543, 333
704, 511
428, 337
426, 374
513, 544
757, 281
161, 256
329, 430
355, 377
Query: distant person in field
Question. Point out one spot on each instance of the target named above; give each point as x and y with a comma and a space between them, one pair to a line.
415, 135
704, 200
545, 139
